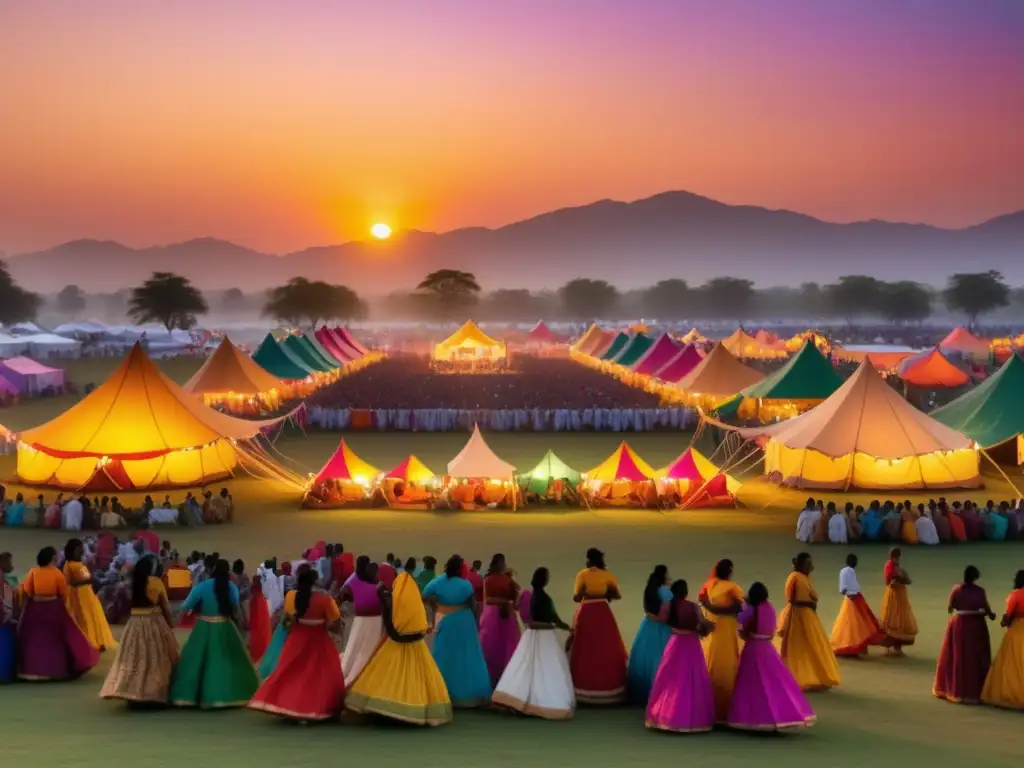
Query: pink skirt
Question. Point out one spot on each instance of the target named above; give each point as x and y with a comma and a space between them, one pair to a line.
50, 644
681, 698
499, 638
767, 697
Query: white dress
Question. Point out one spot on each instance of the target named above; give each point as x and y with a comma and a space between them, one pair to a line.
926, 531
837, 530
537, 680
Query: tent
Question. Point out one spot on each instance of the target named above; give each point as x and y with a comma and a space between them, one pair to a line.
586, 343
960, 341
799, 385
51, 345
12, 345
549, 468
344, 479
717, 377
686, 360
7, 390
618, 344
230, 377
30, 377
600, 346
693, 336
621, 480
469, 343
301, 349
932, 370
412, 470
696, 482
623, 464
311, 340
741, 344
797, 341
633, 351
657, 356
410, 485
476, 460
867, 436
992, 414
541, 334
281, 362
337, 348
138, 430
345, 335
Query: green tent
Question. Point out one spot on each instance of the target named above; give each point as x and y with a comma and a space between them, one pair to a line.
634, 350
279, 361
312, 345
314, 342
306, 354
616, 346
992, 413
550, 468
808, 375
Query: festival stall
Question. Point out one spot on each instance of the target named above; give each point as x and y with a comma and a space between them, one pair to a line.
281, 363
693, 481
478, 479
31, 377
658, 355
345, 480
932, 370
469, 350
552, 481
962, 343
693, 336
45, 345
744, 346
621, 480
715, 379
231, 380
410, 485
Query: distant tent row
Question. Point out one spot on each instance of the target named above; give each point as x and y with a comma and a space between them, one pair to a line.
305, 362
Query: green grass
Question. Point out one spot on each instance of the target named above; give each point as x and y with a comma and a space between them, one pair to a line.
883, 714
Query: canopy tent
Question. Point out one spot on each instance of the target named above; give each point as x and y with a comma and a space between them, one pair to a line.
7, 389
803, 382
591, 338
886, 361
765, 337
992, 414
410, 485
932, 370
337, 349
330, 359
137, 430
686, 360
741, 344
412, 470
476, 460
30, 377
345, 479
820, 340
469, 343
230, 377
308, 355
541, 334
623, 464
960, 341
714, 379
12, 345
51, 345
345, 335
281, 362
693, 336
633, 351
866, 436
618, 344
697, 482
549, 468
658, 355
601, 345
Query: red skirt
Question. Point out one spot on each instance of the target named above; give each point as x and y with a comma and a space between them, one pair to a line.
259, 627
307, 683
964, 660
597, 657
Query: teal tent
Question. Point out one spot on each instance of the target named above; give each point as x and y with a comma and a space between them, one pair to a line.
306, 354
321, 350
279, 361
634, 350
616, 346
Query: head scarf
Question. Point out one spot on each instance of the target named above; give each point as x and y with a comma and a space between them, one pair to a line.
407, 612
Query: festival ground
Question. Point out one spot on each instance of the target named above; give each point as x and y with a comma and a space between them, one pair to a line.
883, 714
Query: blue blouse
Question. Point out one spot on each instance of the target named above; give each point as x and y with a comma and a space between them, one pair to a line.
203, 598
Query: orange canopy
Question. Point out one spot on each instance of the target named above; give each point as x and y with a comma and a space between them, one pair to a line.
229, 370
932, 371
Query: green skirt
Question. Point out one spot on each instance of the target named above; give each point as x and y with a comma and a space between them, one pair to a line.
215, 671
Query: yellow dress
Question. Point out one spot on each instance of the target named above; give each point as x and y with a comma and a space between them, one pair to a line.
401, 680
908, 530
897, 619
805, 647
1004, 686
722, 645
85, 608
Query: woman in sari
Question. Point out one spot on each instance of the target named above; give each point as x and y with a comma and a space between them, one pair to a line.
259, 621
367, 626
537, 680
402, 681
499, 623
767, 697
82, 603
722, 600
856, 626
307, 684
145, 661
1004, 686
597, 655
805, 647
215, 671
8, 621
908, 523
897, 620
682, 699
651, 637
457, 649
966, 653
50, 644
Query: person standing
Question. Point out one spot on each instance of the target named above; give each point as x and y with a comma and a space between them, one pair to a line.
651, 637
1004, 686
82, 603
856, 627
597, 655
805, 647
897, 620
966, 653
722, 600
499, 622
363, 591
8, 620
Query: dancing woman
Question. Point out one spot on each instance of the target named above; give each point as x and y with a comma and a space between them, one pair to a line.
597, 655
1004, 686
82, 603
499, 623
651, 637
856, 626
805, 647
145, 662
966, 653
897, 621
367, 626
722, 600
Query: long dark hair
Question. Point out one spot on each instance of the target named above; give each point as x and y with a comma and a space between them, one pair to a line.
652, 600
723, 569
69, 549
45, 556
497, 564
222, 587
363, 568
680, 591
757, 594
304, 590
453, 567
140, 581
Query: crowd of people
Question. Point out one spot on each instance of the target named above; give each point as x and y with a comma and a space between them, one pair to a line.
78, 512
307, 639
937, 522
408, 382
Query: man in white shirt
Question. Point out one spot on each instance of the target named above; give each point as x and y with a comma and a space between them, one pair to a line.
927, 533
71, 515
837, 529
806, 521
163, 516
849, 585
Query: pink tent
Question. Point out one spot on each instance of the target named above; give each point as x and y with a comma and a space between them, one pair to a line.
29, 376
700, 489
658, 356
346, 335
323, 335
344, 347
685, 361
6, 388
541, 334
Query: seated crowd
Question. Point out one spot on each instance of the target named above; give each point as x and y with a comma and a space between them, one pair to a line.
79, 512
937, 522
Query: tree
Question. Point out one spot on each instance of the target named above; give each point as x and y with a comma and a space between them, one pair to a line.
233, 300
168, 299
312, 300
71, 301
16, 304
905, 302
450, 290
976, 293
584, 298
668, 298
513, 304
853, 296
812, 299
729, 297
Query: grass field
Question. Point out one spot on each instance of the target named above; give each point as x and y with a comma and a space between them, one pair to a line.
883, 714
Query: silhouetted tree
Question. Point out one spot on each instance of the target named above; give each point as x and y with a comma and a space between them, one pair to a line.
16, 304
71, 301
168, 299
730, 297
812, 299
312, 300
853, 296
584, 298
905, 302
976, 293
513, 304
668, 298
233, 300
451, 289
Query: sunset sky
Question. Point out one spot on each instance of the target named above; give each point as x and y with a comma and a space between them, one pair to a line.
284, 125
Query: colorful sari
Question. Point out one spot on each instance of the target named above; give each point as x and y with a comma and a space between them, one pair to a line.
85, 608
767, 697
805, 646
402, 681
1004, 686
966, 653
682, 698
367, 629
50, 644
645, 656
499, 624
457, 650
273, 653
897, 620
597, 656
722, 645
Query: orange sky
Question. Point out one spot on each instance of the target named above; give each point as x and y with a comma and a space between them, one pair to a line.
283, 126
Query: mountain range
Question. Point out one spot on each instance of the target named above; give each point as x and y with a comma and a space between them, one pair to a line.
630, 244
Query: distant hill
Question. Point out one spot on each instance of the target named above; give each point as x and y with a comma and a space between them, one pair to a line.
673, 234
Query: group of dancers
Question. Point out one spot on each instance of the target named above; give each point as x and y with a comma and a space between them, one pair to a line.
421, 644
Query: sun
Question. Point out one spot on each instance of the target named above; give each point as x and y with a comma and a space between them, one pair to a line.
380, 230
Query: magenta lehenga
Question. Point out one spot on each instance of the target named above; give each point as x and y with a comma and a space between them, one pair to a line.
499, 638
681, 699
767, 696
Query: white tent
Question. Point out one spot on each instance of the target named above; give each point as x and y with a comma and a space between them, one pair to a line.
42, 345
10, 346
477, 460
